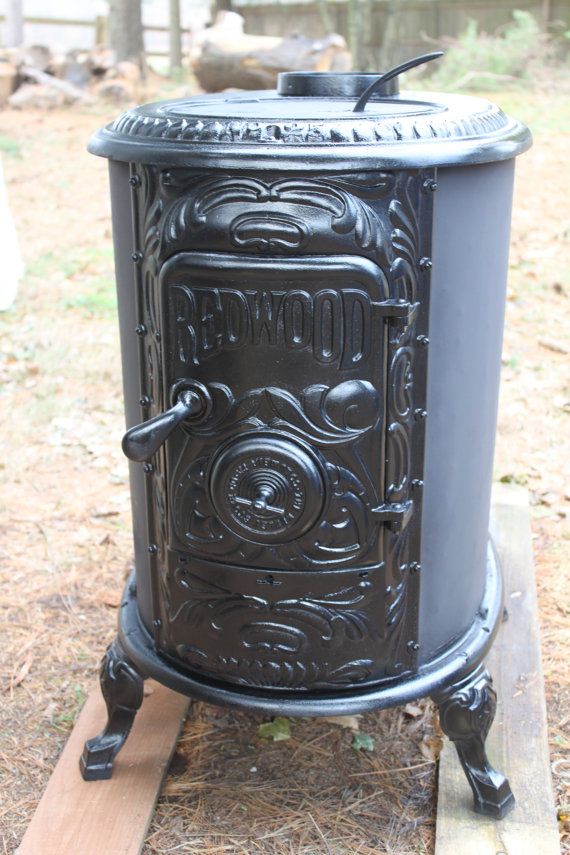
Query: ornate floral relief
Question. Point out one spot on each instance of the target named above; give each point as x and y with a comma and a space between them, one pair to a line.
254, 640
324, 415
401, 383
171, 126
405, 238
282, 215
277, 673
327, 418
401, 548
382, 219
325, 614
149, 208
397, 462
346, 533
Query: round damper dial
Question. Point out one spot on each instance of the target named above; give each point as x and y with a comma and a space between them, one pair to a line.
268, 488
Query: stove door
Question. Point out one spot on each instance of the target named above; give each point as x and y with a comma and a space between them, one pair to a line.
285, 470
278, 479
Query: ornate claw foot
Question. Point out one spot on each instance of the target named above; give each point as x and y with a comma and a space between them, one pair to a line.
466, 712
122, 688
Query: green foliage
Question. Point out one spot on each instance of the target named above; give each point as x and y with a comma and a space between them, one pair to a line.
363, 742
477, 59
65, 720
277, 730
69, 264
85, 276
98, 297
10, 146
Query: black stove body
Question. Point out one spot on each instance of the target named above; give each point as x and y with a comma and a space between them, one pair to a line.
311, 304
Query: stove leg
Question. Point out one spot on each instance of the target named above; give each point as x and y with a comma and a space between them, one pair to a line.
122, 689
466, 712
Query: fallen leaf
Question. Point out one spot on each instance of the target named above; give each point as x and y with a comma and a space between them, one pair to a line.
430, 747
277, 730
363, 742
552, 344
562, 403
351, 722
111, 599
23, 672
101, 513
413, 711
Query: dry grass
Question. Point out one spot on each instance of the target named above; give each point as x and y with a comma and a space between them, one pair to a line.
66, 528
230, 791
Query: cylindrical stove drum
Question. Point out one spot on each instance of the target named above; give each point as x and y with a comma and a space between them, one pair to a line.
311, 309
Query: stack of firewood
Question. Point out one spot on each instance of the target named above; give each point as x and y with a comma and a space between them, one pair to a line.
222, 57
34, 76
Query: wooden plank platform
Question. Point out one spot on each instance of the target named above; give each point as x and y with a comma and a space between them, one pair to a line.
517, 743
112, 817
108, 817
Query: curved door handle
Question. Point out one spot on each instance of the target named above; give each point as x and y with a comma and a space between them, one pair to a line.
144, 440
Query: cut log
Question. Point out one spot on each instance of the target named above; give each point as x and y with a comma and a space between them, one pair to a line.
116, 90
70, 92
35, 56
253, 62
8, 75
33, 96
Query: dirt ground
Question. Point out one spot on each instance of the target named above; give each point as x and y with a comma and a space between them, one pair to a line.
65, 520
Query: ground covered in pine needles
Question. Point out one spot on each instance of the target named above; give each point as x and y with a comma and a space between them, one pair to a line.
65, 524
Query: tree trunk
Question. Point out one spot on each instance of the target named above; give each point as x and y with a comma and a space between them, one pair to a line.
175, 39
325, 16
126, 32
359, 26
220, 6
14, 27
354, 33
385, 55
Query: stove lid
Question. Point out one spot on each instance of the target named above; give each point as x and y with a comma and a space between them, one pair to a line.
329, 120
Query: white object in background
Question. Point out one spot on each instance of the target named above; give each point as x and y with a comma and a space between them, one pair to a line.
12, 265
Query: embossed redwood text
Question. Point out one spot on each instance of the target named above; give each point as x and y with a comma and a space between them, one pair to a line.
334, 324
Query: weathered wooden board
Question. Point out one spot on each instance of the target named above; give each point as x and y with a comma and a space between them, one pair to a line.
111, 817
517, 743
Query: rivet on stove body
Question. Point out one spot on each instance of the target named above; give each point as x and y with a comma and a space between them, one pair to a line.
137, 257
429, 185
152, 548
425, 263
422, 340
140, 329
134, 181
144, 400
420, 414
